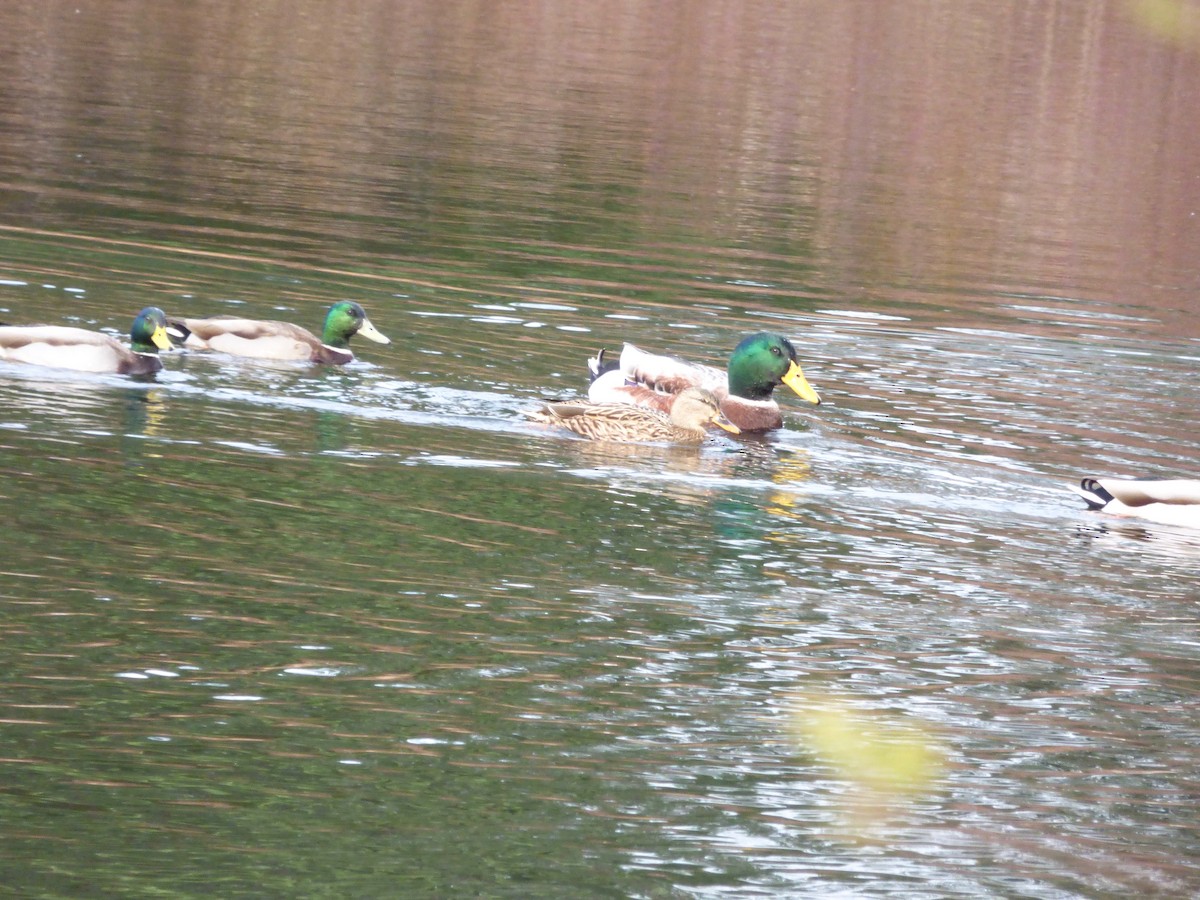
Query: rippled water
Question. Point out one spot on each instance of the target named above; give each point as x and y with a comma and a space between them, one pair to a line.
287, 631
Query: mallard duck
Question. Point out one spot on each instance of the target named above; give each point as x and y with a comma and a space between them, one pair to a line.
1171, 502
64, 347
691, 412
279, 340
758, 363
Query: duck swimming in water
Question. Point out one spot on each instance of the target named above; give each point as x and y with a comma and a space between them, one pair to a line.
263, 339
1171, 501
758, 364
66, 347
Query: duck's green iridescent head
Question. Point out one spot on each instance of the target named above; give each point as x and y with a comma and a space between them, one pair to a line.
346, 319
760, 362
149, 331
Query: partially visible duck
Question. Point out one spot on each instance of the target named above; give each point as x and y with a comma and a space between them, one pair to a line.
1170, 501
65, 347
279, 340
757, 365
692, 411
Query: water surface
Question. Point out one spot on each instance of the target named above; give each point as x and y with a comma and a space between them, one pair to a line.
273, 629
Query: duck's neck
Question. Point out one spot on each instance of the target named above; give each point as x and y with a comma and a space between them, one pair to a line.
690, 433
746, 384
336, 339
685, 424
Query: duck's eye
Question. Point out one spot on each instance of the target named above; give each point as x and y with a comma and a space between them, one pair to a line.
777, 351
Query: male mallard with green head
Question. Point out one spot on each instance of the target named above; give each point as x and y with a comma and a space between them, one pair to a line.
690, 413
279, 340
757, 365
65, 347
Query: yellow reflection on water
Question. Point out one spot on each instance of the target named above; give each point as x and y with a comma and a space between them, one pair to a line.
792, 469
885, 761
1176, 21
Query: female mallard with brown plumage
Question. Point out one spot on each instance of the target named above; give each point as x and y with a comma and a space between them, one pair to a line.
757, 365
690, 413
65, 347
263, 339
1170, 501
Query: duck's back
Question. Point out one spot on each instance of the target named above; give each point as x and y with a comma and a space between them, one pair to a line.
1177, 491
252, 337
669, 374
63, 347
616, 422
653, 380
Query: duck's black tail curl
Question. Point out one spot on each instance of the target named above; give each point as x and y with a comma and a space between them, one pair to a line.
597, 366
1094, 493
177, 333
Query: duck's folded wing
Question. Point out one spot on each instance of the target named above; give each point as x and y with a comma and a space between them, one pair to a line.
247, 329
667, 373
611, 387
54, 335
566, 409
249, 337
63, 347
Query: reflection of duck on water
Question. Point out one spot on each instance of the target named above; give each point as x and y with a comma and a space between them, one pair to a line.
790, 471
145, 413
778, 515
1171, 502
144, 416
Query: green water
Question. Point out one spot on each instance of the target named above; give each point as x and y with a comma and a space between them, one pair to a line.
302, 650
